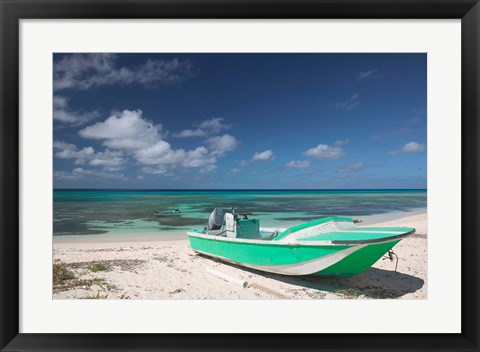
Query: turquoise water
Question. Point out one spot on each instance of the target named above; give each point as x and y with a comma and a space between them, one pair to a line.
126, 213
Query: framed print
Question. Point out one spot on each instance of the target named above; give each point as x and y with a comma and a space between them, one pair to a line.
199, 175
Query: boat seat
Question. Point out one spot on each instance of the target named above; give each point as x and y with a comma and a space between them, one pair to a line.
269, 238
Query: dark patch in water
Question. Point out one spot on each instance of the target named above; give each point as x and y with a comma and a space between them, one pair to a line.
347, 213
167, 228
85, 232
300, 218
69, 227
180, 221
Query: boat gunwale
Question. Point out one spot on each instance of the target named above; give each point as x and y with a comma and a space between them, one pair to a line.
376, 240
299, 242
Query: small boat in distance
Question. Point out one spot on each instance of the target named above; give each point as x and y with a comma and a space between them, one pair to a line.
328, 246
168, 212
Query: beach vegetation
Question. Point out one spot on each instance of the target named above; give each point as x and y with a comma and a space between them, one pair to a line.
61, 273
382, 294
348, 293
366, 292
109, 286
98, 266
124, 296
65, 279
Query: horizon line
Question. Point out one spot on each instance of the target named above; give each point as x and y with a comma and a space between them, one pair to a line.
241, 189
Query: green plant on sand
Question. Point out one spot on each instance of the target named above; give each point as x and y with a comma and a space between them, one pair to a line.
61, 274
98, 267
348, 293
97, 296
64, 279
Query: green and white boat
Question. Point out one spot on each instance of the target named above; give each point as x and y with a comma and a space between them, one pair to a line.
329, 246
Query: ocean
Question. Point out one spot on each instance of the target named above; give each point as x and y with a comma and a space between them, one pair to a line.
117, 215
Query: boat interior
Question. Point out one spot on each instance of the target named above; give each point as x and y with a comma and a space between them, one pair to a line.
334, 229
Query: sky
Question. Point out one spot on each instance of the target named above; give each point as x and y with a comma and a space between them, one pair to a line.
240, 121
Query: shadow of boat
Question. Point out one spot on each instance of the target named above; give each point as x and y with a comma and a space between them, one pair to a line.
373, 283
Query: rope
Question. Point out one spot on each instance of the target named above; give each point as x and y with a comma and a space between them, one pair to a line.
390, 255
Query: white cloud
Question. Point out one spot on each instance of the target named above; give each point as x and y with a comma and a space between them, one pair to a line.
70, 151
162, 155
339, 143
63, 175
221, 144
160, 170
60, 102
86, 173
158, 153
214, 125
265, 155
94, 173
409, 148
124, 130
298, 164
69, 71
198, 157
352, 167
108, 159
129, 132
85, 155
208, 168
66, 149
113, 168
63, 113
364, 75
85, 71
190, 133
413, 147
205, 128
349, 104
325, 152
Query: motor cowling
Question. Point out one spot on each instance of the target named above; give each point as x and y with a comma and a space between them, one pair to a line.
216, 218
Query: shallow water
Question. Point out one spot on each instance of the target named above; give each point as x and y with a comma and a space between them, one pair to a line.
120, 213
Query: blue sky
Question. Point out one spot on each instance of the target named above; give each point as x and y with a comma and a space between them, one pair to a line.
236, 121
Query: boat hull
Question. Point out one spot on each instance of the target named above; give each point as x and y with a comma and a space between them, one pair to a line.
300, 258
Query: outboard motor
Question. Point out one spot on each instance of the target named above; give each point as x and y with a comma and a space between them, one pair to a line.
215, 220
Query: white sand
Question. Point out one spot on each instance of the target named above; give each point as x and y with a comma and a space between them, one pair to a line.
171, 270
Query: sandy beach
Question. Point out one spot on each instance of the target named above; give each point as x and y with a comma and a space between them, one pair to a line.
171, 270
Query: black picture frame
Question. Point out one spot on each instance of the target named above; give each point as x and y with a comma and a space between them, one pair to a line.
12, 11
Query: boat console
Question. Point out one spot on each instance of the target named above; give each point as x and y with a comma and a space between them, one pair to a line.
234, 225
